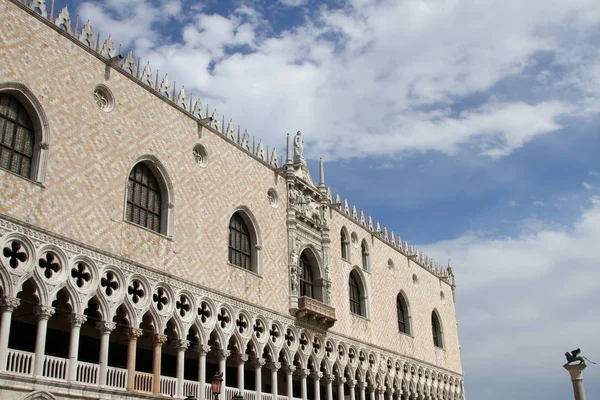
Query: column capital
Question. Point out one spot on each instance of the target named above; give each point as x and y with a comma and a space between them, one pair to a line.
202, 349
352, 383
329, 379
274, 365
159, 339
362, 385
10, 303
380, 389
242, 358
44, 312
258, 362
223, 354
105, 326
182, 344
316, 375
289, 369
134, 333
575, 370
340, 380
77, 320
303, 372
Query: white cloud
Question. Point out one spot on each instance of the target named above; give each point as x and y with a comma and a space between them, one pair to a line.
374, 78
538, 203
594, 173
513, 203
535, 292
293, 3
587, 186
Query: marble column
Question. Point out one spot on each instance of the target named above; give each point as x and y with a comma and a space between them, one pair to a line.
372, 392
181, 345
133, 334
352, 386
362, 387
317, 375
222, 355
202, 350
76, 322
9, 304
576, 372
289, 372
105, 328
340, 382
303, 373
242, 358
274, 367
159, 339
329, 382
44, 313
390, 393
258, 364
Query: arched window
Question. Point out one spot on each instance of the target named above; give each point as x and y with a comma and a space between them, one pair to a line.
356, 295
364, 250
240, 253
344, 244
306, 277
402, 314
436, 330
144, 200
17, 137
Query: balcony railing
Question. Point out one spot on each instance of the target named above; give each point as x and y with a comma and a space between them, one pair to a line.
56, 368
313, 310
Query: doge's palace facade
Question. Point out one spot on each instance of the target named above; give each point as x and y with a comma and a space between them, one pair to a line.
146, 245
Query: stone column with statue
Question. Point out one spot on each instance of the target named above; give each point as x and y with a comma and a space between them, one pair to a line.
576, 372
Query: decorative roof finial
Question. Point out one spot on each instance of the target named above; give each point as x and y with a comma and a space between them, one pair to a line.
288, 157
299, 159
321, 173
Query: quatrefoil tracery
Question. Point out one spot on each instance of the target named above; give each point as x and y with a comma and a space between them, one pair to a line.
259, 328
328, 349
49, 265
241, 323
80, 274
274, 333
160, 299
183, 305
109, 283
136, 291
303, 341
14, 254
204, 312
316, 345
289, 337
223, 318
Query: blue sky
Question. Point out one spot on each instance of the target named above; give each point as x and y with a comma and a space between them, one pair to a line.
468, 127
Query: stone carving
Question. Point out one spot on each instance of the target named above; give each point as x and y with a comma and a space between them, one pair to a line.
64, 19
198, 112
39, 5
129, 63
146, 77
214, 121
274, 161
87, 34
574, 356
164, 86
298, 148
108, 48
181, 98
230, 131
260, 151
245, 143
305, 206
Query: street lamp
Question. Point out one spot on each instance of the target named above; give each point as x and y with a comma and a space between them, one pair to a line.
215, 384
238, 396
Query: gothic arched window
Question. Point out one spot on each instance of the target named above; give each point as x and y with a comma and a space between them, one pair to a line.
17, 137
436, 330
355, 295
240, 243
402, 314
306, 278
144, 200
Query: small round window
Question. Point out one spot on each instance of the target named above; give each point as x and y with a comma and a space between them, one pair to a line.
104, 98
273, 198
415, 280
200, 155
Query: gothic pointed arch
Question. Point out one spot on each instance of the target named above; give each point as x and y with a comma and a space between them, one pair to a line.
357, 293
39, 395
436, 328
24, 132
245, 241
310, 278
149, 196
364, 253
403, 313
344, 244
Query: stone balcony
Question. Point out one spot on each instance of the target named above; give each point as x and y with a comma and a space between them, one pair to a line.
314, 311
